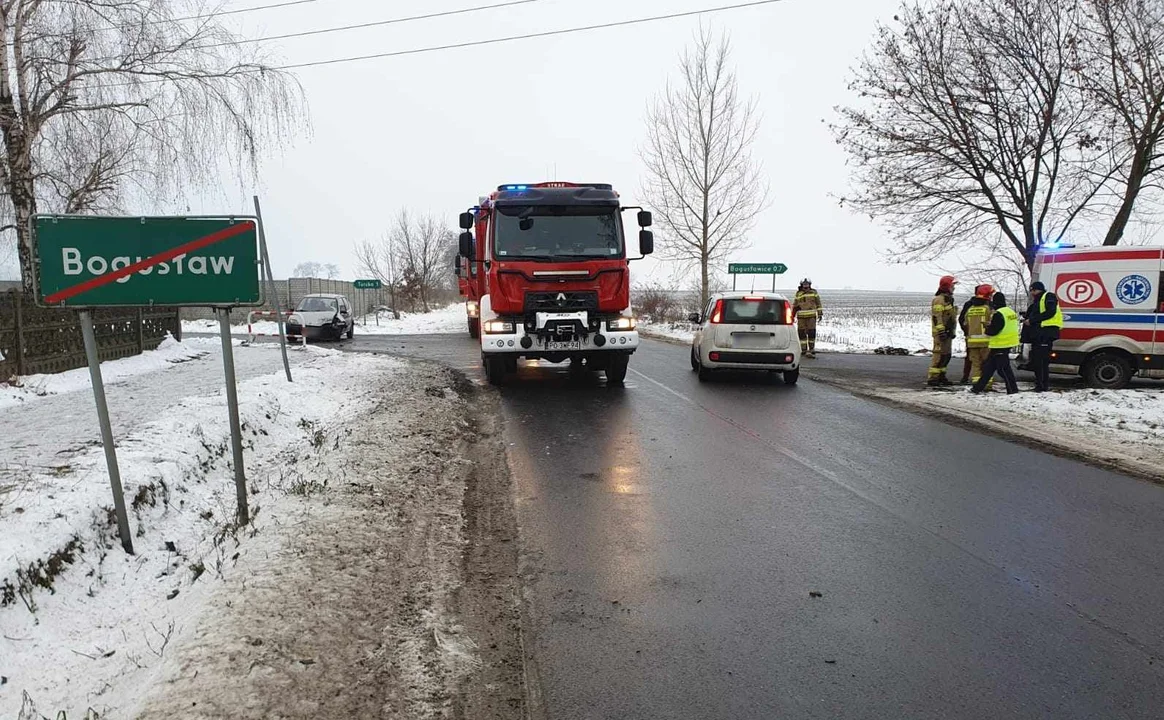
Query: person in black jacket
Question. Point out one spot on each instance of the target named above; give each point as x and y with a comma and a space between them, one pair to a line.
1041, 330
1003, 332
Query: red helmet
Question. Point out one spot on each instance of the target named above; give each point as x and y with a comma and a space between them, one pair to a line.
984, 291
947, 283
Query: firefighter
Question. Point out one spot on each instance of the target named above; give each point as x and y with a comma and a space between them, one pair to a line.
975, 318
1043, 324
809, 309
1004, 334
944, 316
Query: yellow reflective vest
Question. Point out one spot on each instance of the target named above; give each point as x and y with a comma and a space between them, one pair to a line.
1009, 337
1055, 320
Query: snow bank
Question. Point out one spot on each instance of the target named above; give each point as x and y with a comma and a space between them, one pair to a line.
30, 387
446, 320
102, 618
1122, 427
850, 335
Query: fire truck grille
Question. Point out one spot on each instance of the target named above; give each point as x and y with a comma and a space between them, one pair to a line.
561, 301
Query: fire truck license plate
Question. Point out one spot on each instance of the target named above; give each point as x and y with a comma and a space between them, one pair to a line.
571, 345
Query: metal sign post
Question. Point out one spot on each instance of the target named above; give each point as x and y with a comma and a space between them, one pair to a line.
240, 478
273, 290
90, 339
368, 285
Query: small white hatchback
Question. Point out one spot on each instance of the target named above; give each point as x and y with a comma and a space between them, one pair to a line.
746, 331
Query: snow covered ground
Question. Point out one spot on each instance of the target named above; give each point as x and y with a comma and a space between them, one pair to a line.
450, 319
1125, 427
84, 625
29, 387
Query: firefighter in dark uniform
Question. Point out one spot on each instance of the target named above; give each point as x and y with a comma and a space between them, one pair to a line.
1004, 335
1043, 324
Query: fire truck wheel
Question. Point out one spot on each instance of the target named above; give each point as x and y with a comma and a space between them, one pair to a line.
616, 369
495, 370
474, 328
1108, 371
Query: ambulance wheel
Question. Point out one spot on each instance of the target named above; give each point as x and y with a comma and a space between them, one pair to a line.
495, 370
1108, 371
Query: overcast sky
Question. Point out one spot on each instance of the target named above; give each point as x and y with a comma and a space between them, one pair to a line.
433, 131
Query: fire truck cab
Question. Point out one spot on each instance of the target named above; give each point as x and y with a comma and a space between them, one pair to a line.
556, 276
1113, 311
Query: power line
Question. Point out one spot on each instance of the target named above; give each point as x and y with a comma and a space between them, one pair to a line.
203, 16
489, 41
358, 26
527, 36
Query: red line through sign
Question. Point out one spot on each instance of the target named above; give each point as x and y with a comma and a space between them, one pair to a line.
102, 280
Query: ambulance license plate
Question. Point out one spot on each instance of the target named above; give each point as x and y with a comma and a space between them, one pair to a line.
570, 345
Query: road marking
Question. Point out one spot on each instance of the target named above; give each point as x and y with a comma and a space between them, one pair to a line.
184, 249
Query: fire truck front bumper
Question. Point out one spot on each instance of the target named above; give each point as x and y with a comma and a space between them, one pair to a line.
542, 341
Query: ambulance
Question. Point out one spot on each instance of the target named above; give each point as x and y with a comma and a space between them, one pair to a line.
1113, 311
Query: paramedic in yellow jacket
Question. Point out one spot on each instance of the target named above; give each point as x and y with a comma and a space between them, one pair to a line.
808, 310
944, 317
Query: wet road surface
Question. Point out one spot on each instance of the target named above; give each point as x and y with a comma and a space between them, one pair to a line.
743, 549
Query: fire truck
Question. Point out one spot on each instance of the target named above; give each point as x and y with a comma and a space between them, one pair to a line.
1113, 311
552, 258
470, 283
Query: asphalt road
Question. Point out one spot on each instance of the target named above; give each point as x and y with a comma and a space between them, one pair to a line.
675, 535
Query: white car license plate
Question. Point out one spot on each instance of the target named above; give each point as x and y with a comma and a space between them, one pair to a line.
571, 345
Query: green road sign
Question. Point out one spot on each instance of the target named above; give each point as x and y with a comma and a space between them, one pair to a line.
757, 268
366, 284
85, 261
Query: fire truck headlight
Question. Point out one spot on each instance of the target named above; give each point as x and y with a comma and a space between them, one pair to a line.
499, 327
621, 324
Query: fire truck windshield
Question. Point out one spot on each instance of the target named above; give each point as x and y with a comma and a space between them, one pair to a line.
548, 232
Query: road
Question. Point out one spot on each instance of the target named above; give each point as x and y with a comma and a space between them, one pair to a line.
675, 536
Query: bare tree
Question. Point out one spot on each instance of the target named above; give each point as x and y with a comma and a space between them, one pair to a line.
309, 269
968, 125
103, 100
702, 181
376, 260
412, 258
1120, 66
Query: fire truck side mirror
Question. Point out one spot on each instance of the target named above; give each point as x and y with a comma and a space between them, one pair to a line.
466, 220
646, 242
466, 245
645, 219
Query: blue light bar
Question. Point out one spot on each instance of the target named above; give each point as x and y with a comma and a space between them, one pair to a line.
516, 187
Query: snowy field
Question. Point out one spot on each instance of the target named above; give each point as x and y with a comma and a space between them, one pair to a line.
446, 320
856, 322
82, 624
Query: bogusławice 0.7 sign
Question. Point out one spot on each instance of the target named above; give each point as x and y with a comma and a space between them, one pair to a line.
87, 261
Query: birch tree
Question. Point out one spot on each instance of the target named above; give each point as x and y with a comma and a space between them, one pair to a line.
104, 101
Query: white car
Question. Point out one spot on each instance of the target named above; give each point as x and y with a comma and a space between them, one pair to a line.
746, 331
322, 316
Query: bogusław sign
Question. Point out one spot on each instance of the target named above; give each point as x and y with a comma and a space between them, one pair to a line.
86, 261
